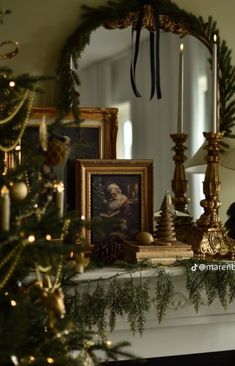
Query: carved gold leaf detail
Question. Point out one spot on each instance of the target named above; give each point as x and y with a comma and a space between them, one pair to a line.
148, 22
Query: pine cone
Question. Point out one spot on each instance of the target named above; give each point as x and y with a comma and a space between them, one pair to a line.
107, 252
56, 152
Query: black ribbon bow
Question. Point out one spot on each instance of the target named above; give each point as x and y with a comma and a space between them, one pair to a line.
154, 55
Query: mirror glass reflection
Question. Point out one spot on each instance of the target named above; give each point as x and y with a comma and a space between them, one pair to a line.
145, 126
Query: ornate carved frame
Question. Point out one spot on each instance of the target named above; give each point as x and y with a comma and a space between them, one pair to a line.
172, 18
86, 169
104, 119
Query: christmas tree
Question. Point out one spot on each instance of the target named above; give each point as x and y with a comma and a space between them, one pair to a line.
36, 240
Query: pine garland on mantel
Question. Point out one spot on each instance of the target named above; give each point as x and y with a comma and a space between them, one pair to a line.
115, 10
100, 305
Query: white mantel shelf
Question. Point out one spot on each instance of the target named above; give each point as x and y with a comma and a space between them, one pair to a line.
182, 331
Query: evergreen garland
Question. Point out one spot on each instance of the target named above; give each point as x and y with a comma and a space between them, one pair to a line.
164, 293
115, 10
131, 298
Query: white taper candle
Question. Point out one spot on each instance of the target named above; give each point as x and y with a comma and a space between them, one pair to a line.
60, 199
214, 116
181, 91
5, 209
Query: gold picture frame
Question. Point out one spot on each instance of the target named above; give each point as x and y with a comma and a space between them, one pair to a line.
95, 138
104, 120
124, 188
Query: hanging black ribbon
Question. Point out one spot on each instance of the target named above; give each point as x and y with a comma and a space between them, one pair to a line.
154, 56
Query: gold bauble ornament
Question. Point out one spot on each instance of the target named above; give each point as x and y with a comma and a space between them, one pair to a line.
144, 238
18, 191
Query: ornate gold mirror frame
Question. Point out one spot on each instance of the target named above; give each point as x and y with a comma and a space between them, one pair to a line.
171, 18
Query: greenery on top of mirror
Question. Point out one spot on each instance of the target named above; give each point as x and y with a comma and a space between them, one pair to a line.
178, 21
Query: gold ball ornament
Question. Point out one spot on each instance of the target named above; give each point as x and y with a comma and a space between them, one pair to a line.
144, 238
18, 191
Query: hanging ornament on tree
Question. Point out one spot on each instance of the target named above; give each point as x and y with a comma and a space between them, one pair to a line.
56, 151
43, 136
51, 295
18, 191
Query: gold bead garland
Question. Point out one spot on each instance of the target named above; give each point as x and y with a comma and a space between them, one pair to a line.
30, 103
17, 255
65, 228
16, 110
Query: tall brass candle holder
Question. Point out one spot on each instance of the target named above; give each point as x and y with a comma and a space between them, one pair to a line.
179, 184
209, 237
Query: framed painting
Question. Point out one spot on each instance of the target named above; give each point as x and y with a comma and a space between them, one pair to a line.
116, 196
95, 138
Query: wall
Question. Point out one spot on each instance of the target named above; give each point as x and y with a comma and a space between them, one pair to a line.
42, 28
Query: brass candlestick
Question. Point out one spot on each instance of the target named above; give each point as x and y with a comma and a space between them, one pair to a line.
179, 184
210, 237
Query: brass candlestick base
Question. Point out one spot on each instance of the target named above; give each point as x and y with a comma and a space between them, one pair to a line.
210, 237
179, 184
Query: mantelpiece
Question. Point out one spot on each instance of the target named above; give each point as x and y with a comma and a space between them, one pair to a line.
182, 331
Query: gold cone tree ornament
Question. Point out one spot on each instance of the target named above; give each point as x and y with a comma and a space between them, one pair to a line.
165, 231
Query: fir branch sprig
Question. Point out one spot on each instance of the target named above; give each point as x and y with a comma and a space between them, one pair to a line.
115, 297
195, 286
164, 293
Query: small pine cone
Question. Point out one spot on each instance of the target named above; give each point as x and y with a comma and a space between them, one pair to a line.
107, 252
56, 152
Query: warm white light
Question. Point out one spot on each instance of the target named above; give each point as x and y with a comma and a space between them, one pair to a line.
14, 360
108, 343
13, 303
17, 148
82, 217
215, 38
181, 47
60, 187
48, 237
50, 360
12, 84
31, 238
4, 190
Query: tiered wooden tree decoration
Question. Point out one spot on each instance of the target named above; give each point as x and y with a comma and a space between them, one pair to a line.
165, 233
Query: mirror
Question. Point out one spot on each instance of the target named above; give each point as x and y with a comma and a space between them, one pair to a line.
108, 71
176, 22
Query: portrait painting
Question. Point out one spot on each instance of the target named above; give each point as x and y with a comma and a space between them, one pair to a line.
116, 195
116, 199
